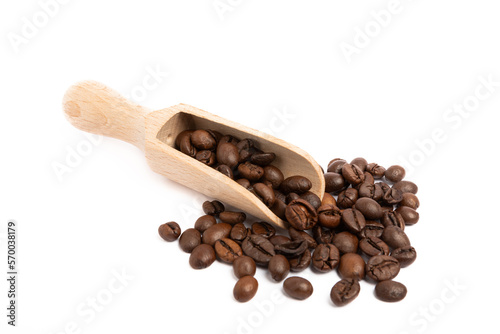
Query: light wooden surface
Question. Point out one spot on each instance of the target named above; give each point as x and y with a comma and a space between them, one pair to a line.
93, 107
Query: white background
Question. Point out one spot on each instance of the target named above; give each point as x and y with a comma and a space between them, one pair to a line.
257, 60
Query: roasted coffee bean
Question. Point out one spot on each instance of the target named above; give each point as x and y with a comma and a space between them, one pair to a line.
301, 215
279, 240
204, 222
265, 193
360, 162
372, 246
295, 184
347, 198
395, 173
250, 171
325, 257
298, 287
279, 208
369, 190
291, 197
410, 200
202, 256
216, 232
186, 146
244, 183
245, 144
351, 265
227, 154
169, 231
302, 235
262, 159
334, 182
344, 291
369, 208
239, 232
216, 134
335, 166
312, 198
189, 240
232, 217
246, 148
244, 266
300, 262
227, 250
372, 229
375, 170
395, 237
409, 215
385, 187
405, 255
228, 139
393, 196
245, 289
263, 229
279, 196
368, 179
181, 135
274, 175
382, 267
258, 248
203, 140
328, 200
346, 242
207, 157
354, 220
278, 267
406, 187
329, 216
393, 218
353, 174
292, 248
213, 208
390, 291
322, 235
225, 170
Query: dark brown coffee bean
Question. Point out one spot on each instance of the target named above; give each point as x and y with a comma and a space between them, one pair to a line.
312, 198
274, 175
244, 266
232, 217
202, 256
278, 267
329, 216
368, 178
375, 170
295, 184
245, 144
369, 190
262, 159
265, 193
393, 196
393, 218
189, 240
216, 232
250, 171
406, 187
322, 235
227, 250
301, 215
207, 157
369, 208
360, 162
258, 248
279, 196
225, 170
344, 291
228, 139
351, 265
382, 267
186, 146
203, 140
372, 229
291, 197
395, 237
347, 198
335, 166
409, 215
328, 200
239, 232
395, 173
204, 222
385, 187
263, 229
279, 208
410, 200
325, 257
181, 135
169, 231
354, 220
298, 287
302, 235
227, 154
390, 291
292, 248
372, 246
353, 174
245, 289
244, 183
300, 262
346, 242
213, 208
279, 240
334, 182
406, 255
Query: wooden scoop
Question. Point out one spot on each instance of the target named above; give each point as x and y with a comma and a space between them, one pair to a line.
93, 107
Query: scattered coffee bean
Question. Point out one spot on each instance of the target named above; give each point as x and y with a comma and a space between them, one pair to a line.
390, 291
298, 287
393, 218
202, 256
239, 232
279, 240
351, 265
245, 289
189, 240
347, 198
292, 248
410, 216
369, 208
353, 174
344, 291
325, 257
410, 200
227, 250
372, 229
354, 220
406, 187
279, 267
395, 237
232, 217
360, 162
169, 231
372, 246
213, 208
335, 166
244, 266
204, 222
216, 232
334, 182
263, 229
346, 242
258, 248
405, 255
301, 215
375, 170
300, 262
382, 267
395, 173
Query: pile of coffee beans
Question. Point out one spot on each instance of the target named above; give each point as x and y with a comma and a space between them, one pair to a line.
357, 229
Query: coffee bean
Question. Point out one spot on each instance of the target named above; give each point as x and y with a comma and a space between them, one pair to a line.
410, 200
204, 222
406, 187
334, 182
279, 240
292, 248
169, 231
244, 183
395, 173
186, 146
346, 242
353, 174
202, 256
325, 257
300, 262
244, 266
189, 240
405, 255
295, 184
369, 208
390, 291
385, 187
232, 217
312, 198
393, 218
291, 197
344, 291
329, 216
375, 170
354, 220
213, 208
258, 248
279, 208
263, 229
181, 135
347, 198
265, 193
302, 235
360, 162
372, 229
373, 191
207, 157
216, 232
395, 237
393, 196
279, 268
245, 289
262, 159
225, 170
351, 265
328, 200
368, 179
239, 232
298, 287
250, 171
301, 215
382, 267
322, 235
335, 166
227, 250
203, 140
227, 154
273, 175
372, 246
409, 215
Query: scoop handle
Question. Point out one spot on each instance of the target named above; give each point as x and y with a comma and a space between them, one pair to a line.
91, 106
